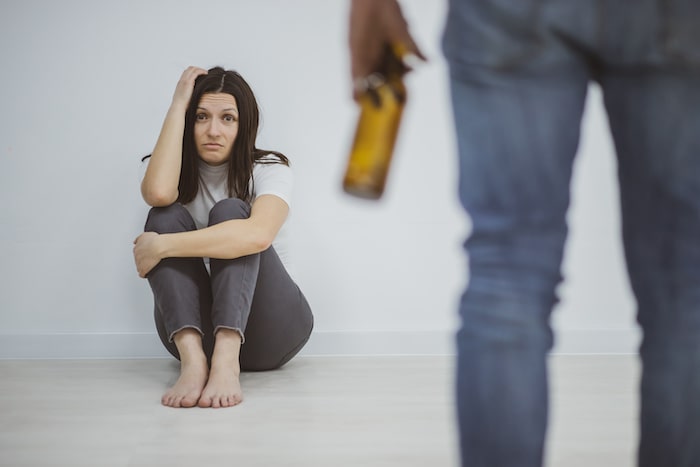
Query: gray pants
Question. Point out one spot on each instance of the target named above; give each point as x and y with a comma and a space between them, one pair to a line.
252, 294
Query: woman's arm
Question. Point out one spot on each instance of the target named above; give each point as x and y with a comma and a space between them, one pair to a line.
160, 184
227, 240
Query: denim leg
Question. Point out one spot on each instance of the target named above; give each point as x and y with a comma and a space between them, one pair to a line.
517, 137
646, 55
655, 120
180, 286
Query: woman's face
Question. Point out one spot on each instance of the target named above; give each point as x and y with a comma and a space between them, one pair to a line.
215, 127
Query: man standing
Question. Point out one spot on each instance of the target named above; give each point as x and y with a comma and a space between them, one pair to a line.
519, 73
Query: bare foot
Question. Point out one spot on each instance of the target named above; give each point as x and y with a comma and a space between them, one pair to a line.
188, 387
224, 388
194, 371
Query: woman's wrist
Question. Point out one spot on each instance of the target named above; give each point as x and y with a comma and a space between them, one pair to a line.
178, 107
165, 246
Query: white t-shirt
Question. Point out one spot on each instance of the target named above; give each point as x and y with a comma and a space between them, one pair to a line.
268, 179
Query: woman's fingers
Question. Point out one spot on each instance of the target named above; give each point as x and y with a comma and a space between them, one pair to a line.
145, 253
185, 86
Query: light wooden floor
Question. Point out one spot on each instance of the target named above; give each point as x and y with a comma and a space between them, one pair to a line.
316, 411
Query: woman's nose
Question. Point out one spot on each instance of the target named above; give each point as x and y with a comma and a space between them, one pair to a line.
213, 128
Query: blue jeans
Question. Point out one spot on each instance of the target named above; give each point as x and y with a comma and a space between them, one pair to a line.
519, 73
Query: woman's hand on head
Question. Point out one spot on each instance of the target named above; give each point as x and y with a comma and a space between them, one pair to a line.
184, 88
147, 252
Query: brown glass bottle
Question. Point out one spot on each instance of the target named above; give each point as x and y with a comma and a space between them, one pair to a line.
381, 107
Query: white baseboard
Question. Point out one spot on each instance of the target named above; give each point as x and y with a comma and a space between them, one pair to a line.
147, 344
82, 345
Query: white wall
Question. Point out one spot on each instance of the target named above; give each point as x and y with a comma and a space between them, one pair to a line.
84, 88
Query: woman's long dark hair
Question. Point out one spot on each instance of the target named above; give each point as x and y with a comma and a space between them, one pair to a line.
244, 154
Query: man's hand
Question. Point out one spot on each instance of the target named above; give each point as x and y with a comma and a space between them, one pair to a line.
374, 25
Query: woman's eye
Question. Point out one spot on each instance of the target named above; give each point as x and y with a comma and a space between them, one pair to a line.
229, 118
201, 116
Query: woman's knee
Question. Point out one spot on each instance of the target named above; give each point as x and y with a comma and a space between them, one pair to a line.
169, 219
228, 209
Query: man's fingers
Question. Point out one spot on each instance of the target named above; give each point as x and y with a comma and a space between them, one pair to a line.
413, 54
